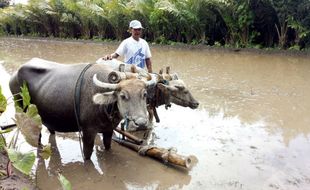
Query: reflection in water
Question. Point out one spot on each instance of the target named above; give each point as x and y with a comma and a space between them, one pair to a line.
234, 154
119, 168
251, 131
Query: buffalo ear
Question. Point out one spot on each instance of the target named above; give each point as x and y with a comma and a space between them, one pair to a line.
166, 88
180, 87
162, 87
104, 98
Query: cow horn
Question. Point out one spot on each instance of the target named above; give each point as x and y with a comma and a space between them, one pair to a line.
107, 86
131, 75
168, 70
114, 77
153, 80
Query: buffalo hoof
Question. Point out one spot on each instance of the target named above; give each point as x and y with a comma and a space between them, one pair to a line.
107, 138
87, 154
107, 147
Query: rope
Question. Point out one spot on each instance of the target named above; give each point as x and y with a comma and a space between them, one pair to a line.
109, 111
124, 125
77, 96
166, 153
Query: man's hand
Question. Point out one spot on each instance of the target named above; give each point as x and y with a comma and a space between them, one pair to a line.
148, 63
108, 57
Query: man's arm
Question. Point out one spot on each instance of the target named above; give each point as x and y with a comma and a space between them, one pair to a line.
148, 63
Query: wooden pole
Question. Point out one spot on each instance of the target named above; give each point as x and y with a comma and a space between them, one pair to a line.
159, 153
128, 135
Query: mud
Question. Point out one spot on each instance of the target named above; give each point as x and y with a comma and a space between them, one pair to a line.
251, 130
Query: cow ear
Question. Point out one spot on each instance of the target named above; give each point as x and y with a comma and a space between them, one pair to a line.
104, 98
166, 88
180, 87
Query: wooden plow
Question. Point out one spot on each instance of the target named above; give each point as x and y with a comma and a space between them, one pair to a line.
169, 156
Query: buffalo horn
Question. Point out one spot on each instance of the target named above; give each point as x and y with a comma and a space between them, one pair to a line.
168, 70
115, 77
130, 75
151, 82
107, 86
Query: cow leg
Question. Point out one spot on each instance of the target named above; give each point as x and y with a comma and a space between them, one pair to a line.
107, 138
88, 143
51, 131
151, 114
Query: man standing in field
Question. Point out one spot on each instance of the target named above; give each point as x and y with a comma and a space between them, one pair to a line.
134, 49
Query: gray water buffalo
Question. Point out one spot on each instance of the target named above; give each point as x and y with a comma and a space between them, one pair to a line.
97, 105
169, 88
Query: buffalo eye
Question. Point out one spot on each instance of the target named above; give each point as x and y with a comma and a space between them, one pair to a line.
123, 96
144, 95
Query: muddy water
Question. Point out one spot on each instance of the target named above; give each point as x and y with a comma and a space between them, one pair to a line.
251, 130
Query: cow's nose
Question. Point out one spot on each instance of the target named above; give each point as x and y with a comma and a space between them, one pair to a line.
194, 105
141, 122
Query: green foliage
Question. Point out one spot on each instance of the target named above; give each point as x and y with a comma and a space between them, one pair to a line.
22, 162
66, 185
32, 121
46, 152
3, 102
27, 118
119, 17
6, 131
33, 113
292, 14
30, 125
25, 96
239, 19
228, 22
2, 142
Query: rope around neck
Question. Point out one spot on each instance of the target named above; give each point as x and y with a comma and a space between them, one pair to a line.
77, 98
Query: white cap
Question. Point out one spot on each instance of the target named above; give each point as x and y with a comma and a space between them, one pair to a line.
135, 24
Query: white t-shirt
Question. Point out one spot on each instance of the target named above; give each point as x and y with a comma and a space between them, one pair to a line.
134, 52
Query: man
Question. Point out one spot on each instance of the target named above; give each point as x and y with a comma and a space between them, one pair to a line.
134, 49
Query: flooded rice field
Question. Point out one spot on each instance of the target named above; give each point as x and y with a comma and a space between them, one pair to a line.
251, 130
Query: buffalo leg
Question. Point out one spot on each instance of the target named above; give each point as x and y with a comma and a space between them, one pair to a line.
151, 113
107, 138
51, 131
88, 144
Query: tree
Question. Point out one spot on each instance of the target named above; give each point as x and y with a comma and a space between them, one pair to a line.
292, 24
239, 19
